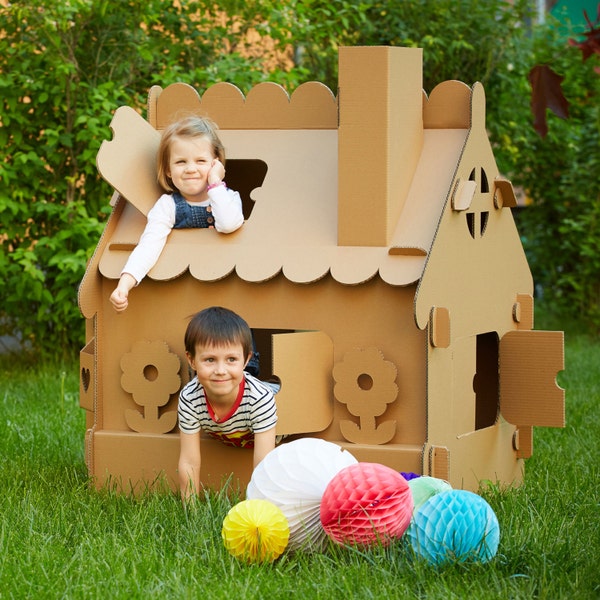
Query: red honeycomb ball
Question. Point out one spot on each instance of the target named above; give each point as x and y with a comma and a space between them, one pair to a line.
366, 504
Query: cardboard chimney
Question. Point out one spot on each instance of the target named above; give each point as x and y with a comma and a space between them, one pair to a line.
379, 267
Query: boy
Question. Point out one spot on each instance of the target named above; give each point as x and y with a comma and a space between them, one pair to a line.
222, 400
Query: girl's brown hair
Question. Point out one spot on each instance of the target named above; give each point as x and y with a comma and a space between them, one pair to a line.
190, 127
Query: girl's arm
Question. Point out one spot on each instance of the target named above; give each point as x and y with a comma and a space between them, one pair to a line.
264, 442
189, 464
161, 219
226, 207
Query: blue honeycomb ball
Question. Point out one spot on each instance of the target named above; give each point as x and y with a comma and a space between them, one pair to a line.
455, 525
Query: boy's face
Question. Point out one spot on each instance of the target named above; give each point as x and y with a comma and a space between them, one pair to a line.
220, 370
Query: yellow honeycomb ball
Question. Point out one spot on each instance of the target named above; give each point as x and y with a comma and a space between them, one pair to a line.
255, 531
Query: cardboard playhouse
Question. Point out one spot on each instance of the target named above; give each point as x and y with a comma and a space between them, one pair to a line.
379, 268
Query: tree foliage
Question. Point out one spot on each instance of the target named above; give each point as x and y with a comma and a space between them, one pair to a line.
558, 171
66, 65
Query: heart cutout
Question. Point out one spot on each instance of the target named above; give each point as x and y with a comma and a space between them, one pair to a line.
85, 378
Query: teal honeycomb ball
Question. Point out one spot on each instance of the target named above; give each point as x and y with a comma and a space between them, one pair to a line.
455, 525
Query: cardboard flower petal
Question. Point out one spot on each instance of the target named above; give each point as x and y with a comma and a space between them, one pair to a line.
365, 504
154, 356
456, 525
294, 477
255, 531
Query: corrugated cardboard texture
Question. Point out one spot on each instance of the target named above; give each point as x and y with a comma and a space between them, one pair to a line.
380, 139
529, 364
395, 309
133, 151
306, 412
267, 106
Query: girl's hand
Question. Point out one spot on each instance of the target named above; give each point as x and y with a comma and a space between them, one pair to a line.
119, 300
119, 297
216, 173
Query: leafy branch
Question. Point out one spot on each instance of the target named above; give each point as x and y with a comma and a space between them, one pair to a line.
546, 88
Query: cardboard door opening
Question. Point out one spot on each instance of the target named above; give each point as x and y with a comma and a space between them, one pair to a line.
486, 380
244, 176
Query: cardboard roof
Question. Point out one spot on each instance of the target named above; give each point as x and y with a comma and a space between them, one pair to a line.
299, 236
294, 226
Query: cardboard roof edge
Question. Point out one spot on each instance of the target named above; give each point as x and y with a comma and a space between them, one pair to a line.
447, 109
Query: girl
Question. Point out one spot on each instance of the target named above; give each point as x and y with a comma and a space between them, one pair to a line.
190, 166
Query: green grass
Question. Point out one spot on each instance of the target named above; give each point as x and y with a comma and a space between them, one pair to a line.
61, 539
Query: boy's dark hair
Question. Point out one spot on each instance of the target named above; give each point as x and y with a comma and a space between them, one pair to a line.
217, 326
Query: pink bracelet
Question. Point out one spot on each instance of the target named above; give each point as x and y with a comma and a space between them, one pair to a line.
211, 186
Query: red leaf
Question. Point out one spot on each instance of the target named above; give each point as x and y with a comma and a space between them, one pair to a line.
546, 93
592, 44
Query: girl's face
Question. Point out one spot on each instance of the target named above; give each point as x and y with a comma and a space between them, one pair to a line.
190, 162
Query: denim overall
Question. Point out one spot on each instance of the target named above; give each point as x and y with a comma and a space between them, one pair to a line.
188, 216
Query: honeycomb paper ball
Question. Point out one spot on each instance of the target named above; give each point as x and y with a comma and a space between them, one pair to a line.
366, 504
423, 488
255, 531
456, 525
294, 476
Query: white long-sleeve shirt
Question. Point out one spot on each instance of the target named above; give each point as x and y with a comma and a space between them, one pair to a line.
226, 209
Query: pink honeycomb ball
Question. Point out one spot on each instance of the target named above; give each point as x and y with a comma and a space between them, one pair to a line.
366, 504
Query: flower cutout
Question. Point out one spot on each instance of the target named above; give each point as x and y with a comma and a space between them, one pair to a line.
366, 384
151, 375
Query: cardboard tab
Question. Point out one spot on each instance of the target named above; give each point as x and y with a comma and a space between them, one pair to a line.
504, 193
439, 327
463, 193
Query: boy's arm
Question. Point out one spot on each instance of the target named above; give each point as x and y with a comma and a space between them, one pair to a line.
189, 464
264, 442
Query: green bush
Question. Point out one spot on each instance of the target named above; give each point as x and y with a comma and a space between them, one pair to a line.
559, 174
66, 66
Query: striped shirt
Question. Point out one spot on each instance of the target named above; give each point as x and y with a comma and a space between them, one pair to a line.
253, 412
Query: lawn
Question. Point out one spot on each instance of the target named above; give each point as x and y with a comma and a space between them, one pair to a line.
61, 539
